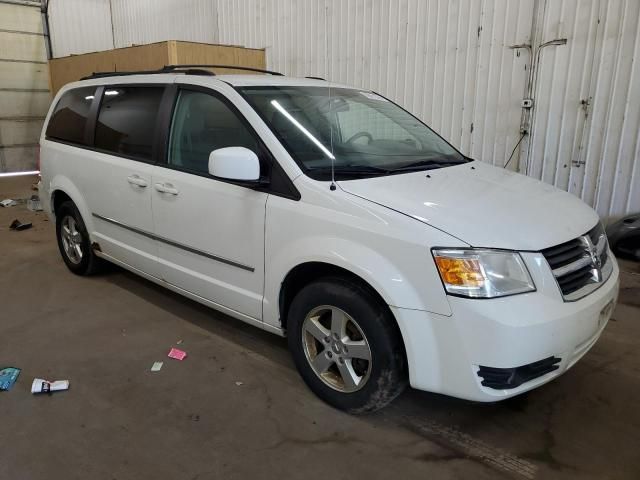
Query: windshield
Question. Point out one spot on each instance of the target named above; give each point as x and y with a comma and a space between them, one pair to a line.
362, 133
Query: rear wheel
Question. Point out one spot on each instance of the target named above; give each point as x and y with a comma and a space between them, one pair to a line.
346, 345
73, 241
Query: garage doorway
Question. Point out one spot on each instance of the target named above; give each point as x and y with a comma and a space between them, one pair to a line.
24, 84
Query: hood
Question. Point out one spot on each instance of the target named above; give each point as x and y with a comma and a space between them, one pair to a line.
482, 205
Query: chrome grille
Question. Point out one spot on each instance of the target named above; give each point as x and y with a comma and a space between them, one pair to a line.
580, 265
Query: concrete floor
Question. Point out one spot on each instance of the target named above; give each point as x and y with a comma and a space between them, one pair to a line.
191, 420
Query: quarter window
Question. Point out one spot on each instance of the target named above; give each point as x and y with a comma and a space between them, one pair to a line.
127, 119
201, 124
69, 119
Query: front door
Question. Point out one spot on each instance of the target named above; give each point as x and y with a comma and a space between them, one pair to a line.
210, 232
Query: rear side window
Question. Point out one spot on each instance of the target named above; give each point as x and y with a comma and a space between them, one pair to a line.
69, 119
127, 119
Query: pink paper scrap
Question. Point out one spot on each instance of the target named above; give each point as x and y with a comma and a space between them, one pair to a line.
177, 354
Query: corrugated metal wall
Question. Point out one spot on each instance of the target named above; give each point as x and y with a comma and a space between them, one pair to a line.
586, 125
80, 26
448, 61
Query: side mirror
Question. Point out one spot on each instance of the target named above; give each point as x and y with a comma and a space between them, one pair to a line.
235, 163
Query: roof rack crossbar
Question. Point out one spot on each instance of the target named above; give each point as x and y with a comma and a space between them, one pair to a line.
231, 67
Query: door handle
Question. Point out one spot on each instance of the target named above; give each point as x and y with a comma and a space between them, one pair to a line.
137, 180
166, 188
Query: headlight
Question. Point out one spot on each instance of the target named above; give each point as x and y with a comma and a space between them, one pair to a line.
482, 273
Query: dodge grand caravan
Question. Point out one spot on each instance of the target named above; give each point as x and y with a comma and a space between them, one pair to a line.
330, 215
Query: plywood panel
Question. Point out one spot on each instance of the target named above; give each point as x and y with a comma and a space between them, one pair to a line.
24, 75
151, 57
20, 18
22, 47
143, 57
24, 104
202, 53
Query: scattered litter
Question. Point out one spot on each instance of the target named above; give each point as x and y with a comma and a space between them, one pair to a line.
177, 354
18, 225
34, 204
179, 342
7, 202
40, 385
156, 366
8, 377
239, 384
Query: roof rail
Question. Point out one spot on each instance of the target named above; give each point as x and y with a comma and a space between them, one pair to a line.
191, 69
231, 67
186, 71
316, 78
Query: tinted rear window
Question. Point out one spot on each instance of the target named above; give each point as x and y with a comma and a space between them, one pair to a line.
126, 122
69, 118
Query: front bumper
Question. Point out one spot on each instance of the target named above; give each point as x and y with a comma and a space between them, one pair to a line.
445, 352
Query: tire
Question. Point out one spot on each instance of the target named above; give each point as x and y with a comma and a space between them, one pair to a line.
336, 368
71, 230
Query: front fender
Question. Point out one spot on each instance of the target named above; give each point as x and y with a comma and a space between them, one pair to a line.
379, 272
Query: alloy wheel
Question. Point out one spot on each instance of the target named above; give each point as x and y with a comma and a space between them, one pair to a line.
71, 239
336, 348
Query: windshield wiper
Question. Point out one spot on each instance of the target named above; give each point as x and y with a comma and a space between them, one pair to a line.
353, 170
426, 165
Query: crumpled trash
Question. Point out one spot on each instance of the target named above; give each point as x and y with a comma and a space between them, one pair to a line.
41, 385
18, 225
8, 202
8, 377
34, 204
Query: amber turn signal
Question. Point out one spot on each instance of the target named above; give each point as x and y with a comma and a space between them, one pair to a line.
460, 271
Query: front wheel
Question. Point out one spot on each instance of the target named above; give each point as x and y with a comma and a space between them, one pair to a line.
346, 345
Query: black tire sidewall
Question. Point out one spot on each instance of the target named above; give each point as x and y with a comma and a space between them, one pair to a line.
85, 265
388, 374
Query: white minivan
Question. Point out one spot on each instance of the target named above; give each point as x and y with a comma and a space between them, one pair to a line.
329, 214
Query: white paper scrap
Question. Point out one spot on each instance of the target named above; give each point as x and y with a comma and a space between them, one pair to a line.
156, 366
40, 385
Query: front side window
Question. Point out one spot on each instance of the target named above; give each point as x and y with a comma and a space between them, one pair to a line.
127, 119
201, 124
69, 119
361, 133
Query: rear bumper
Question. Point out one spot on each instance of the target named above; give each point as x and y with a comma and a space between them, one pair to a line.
445, 353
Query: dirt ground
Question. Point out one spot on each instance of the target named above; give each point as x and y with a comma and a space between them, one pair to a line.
195, 420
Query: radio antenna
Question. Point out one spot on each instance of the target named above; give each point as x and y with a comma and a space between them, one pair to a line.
332, 187
333, 157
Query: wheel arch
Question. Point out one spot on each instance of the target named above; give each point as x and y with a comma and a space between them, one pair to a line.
62, 189
304, 273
